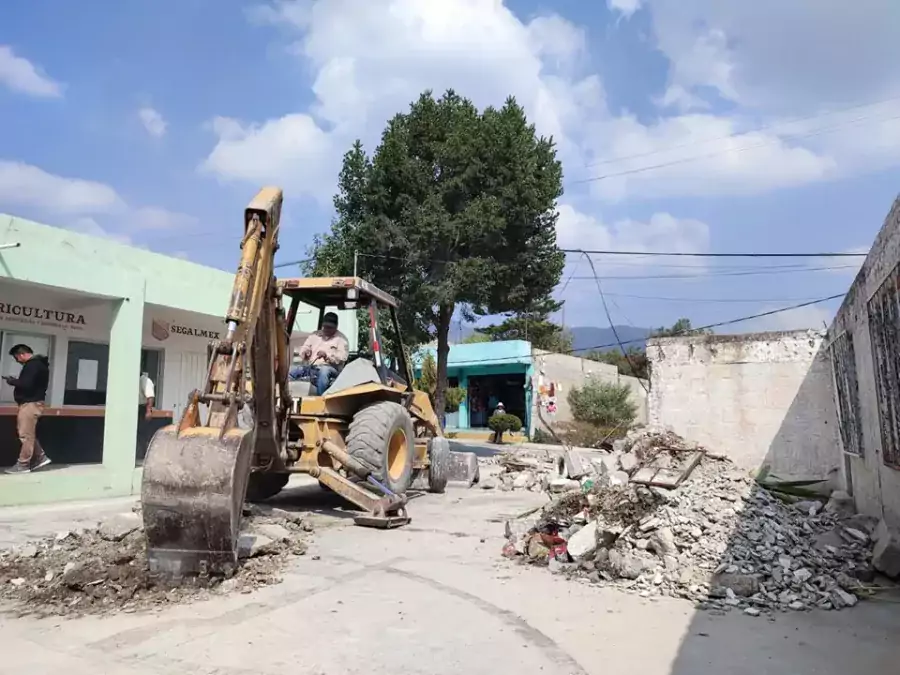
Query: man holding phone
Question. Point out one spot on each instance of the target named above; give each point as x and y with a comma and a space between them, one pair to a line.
29, 392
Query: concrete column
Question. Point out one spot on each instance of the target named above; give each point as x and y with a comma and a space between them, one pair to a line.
464, 406
120, 421
529, 399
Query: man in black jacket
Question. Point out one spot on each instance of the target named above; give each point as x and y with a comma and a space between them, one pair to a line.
29, 392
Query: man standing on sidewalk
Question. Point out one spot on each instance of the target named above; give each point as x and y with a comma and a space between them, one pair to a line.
29, 392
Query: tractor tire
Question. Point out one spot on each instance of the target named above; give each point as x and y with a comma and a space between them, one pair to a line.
261, 485
439, 464
381, 438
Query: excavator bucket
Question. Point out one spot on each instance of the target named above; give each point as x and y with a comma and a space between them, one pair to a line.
192, 494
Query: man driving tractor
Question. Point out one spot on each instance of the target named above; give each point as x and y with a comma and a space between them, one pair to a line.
323, 355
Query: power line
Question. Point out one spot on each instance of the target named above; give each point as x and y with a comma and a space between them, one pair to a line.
694, 158
745, 273
612, 324
683, 299
717, 255
754, 130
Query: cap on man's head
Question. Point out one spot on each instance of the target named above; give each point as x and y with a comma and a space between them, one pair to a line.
330, 318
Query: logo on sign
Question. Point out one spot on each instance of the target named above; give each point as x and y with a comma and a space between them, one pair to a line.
159, 329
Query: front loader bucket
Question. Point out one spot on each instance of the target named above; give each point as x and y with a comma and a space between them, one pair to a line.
192, 498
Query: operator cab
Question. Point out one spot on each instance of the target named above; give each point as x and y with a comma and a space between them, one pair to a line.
364, 365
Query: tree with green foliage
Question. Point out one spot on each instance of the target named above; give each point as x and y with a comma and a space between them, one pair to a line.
455, 210
474, 339
534, 325
680, 327
635, 364
603, 404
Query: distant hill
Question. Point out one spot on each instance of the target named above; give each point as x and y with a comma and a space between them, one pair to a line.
590, 337
584, 337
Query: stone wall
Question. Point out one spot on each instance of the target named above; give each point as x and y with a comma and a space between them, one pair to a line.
863, 346
761, 399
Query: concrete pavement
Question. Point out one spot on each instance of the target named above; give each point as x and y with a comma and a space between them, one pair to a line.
435, 598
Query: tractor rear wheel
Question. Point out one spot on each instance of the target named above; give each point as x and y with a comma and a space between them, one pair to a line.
381, 438
262, 485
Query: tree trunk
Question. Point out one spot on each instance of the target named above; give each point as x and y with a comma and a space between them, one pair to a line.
445, 314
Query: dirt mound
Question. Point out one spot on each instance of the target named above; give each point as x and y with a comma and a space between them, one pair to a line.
104, 569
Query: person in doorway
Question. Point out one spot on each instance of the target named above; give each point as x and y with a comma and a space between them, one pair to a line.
146, 399
499, 410
323, 355
29, 393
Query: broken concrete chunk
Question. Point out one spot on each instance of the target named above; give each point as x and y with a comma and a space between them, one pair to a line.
273, 531
28, 551
886, 555
583, 543
524, 480
253, 545
628, 462
558, 485
841, 598
743, 585
625, 565
662, 541
618, 478
463, 468
120, 526
575, 465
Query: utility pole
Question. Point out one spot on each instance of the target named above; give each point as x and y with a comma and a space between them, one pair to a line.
355, 262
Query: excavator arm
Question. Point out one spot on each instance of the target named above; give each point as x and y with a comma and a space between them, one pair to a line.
196, 471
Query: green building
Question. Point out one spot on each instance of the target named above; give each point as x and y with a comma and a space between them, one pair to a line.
103, 313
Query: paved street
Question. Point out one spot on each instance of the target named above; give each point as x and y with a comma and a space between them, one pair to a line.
435, 598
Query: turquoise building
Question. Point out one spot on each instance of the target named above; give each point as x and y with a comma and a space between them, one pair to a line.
490, 373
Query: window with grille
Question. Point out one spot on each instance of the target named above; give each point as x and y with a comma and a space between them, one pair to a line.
843, 363
884, 329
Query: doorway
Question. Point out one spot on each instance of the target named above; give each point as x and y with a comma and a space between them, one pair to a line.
486, 391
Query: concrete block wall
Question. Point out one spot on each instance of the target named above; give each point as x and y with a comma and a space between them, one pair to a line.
761, 399
572, 371
874, 485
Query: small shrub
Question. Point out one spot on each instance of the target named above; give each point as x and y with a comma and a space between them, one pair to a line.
586, 435
451, 434
603, 404
453, 398
503, 423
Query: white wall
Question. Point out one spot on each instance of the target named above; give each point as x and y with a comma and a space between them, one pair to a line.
759, 399
571, 371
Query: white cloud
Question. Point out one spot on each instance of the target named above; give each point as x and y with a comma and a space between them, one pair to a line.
370, 59
24, 185
578, 230
624, 7
786, 56
153, 121
816, 317
78, 203
22, 76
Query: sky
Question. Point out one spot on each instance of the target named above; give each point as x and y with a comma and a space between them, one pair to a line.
692, 126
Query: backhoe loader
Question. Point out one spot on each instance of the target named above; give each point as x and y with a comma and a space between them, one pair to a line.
248, 428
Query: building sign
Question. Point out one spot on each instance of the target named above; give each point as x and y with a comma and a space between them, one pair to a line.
41, 316
161, 330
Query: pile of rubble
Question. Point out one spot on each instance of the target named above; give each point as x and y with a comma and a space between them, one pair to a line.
104, 569
671, 519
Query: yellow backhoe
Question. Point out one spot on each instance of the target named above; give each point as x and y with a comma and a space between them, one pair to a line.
367, 437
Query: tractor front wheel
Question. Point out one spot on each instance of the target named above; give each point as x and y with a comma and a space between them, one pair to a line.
382, 439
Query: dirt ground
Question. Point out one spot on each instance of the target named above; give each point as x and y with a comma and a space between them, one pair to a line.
434, 597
